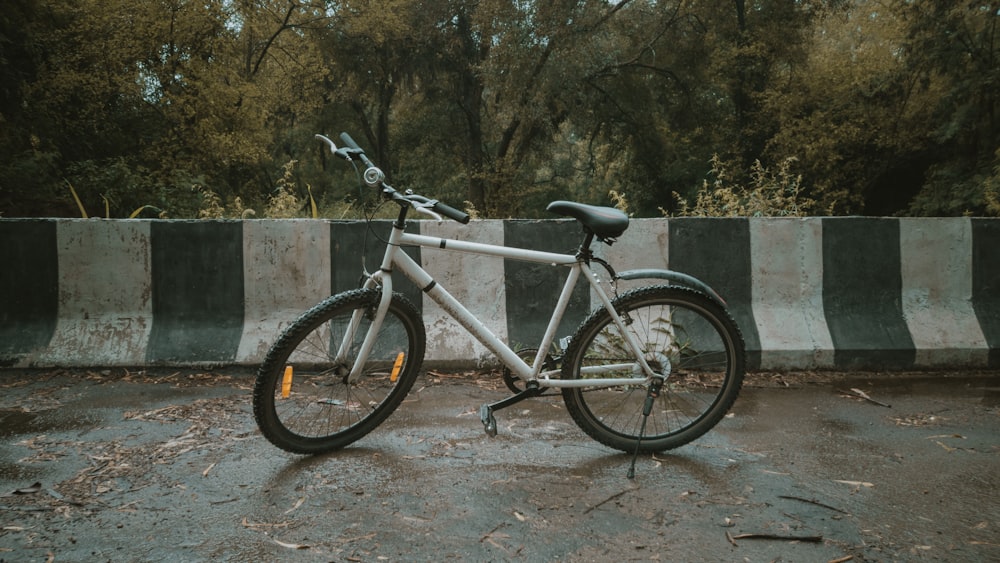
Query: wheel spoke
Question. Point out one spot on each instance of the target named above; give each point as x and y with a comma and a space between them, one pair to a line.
685, 337
302, 399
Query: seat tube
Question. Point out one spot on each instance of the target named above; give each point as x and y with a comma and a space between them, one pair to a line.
557, 315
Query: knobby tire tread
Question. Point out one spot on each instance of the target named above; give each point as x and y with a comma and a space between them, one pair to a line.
271, 369
733, 380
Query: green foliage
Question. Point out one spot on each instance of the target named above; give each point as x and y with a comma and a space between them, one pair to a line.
953, 191
889, 108
285, 202
769, 193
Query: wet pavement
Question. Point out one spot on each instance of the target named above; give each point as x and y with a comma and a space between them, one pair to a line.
130, 466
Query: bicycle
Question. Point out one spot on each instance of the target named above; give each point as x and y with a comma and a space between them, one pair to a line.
650, 370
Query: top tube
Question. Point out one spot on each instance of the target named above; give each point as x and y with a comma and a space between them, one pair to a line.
522, 254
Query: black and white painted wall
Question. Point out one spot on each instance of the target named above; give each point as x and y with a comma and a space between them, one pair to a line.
842, 293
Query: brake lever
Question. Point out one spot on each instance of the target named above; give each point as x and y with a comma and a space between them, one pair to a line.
344, 153
426, 209
328, 141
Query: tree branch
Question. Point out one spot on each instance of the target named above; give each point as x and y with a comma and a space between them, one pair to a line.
292, 6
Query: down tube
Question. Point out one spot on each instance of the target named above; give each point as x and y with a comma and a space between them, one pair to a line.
461, 315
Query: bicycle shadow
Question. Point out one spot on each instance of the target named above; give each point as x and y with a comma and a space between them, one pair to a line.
674, 464
370, 465
352, 454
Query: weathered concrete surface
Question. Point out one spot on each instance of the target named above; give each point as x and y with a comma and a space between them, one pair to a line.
839, 293
135, 467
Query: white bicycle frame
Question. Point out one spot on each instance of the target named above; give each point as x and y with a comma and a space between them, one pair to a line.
395, 258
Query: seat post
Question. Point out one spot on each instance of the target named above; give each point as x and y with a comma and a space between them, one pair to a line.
584, 252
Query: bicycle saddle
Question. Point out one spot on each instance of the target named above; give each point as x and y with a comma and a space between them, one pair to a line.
604, 222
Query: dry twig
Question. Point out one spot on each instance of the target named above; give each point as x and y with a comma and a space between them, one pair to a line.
863, 395
813, 501
813, 539
607, 500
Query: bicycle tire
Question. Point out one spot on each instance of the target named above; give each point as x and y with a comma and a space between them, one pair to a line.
684, 335
302, 401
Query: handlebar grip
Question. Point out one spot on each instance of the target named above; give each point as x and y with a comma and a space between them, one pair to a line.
451, 213
349, 141
353, 149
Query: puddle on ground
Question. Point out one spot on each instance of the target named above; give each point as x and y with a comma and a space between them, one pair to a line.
991, 396
16, 472
16, 422
986, 389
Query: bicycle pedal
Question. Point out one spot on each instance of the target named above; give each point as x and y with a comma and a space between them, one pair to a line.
489, 421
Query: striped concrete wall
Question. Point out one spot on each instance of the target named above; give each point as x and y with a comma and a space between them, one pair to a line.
841, 293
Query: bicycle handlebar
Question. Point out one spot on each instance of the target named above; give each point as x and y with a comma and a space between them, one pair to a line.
452, 213
435, 208
374, 177
355, 149
344, 153
349, 141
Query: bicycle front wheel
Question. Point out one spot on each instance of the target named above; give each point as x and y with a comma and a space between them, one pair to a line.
685, 336
303, 400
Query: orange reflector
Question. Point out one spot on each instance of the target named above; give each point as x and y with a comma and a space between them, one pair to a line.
286, 383
396, 367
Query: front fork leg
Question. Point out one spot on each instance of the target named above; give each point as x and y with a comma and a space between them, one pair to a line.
655, 385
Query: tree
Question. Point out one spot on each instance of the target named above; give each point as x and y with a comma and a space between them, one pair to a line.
852, 112
25, 160
882, 107
956, 46
202, 95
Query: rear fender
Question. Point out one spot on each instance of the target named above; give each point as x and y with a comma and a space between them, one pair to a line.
675, 278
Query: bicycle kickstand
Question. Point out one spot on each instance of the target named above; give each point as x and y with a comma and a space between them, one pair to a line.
651, 394
486, 411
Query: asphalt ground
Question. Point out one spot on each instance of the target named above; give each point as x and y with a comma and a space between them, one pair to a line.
116, 465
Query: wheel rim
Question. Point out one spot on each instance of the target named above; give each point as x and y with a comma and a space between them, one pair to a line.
681, 340
321, 402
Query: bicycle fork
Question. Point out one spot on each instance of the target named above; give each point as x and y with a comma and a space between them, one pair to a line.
384, 283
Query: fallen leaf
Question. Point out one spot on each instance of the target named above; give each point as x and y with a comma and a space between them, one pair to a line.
291, 545
297, 504
256, 526
946, 448
495, 544
855, 483
29, 490
860, 393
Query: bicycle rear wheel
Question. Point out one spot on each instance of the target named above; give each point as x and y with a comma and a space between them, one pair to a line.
302, 400
685, 336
